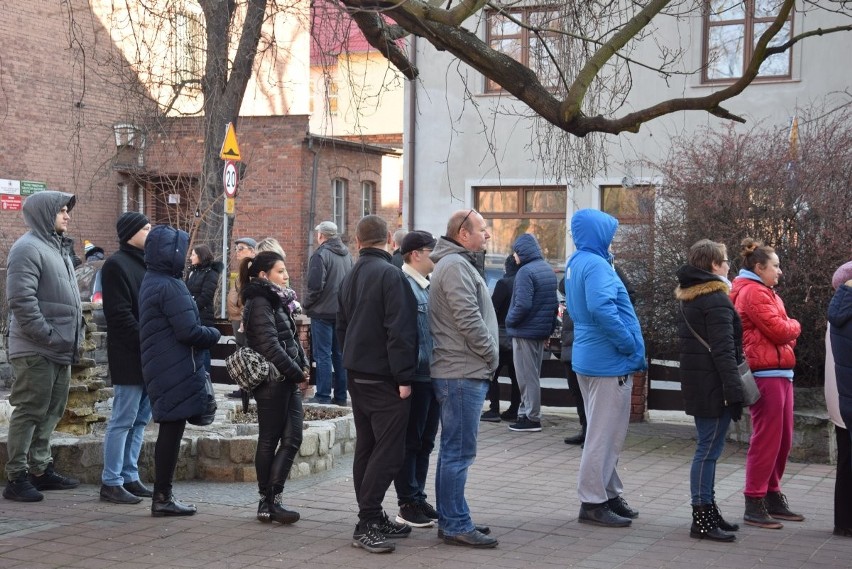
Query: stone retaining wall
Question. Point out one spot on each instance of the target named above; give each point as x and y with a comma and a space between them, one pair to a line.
222, 453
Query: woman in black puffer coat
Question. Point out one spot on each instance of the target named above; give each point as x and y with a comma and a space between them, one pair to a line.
202, 282
171, 339
710, 380
271, 331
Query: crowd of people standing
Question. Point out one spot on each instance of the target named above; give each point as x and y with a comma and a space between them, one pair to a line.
413, 339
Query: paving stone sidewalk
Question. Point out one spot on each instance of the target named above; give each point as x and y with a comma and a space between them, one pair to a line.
523, 485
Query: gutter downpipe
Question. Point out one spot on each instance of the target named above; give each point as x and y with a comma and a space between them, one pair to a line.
313, 200
412, 134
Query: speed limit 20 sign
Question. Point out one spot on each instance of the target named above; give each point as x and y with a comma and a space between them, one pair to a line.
230, 178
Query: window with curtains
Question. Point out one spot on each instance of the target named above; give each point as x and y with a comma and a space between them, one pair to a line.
338, 203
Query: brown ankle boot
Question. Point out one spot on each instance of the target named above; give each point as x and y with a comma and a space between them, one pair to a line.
756, 514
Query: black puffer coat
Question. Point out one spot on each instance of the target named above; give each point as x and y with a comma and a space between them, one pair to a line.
171, 332
709, 379
271, 331
202, 283
121, 277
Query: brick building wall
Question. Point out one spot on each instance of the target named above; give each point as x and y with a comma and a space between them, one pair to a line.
274, 198
58, 105
58, 110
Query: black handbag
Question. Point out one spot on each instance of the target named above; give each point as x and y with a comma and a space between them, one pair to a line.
750, 391
209, 414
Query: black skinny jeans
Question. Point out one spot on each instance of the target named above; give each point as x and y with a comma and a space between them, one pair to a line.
279, 417
166, 452
507, 360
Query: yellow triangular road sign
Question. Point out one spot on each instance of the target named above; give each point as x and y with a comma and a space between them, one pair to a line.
230, 148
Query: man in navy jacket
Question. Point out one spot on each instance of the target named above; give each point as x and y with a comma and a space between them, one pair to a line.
531, 319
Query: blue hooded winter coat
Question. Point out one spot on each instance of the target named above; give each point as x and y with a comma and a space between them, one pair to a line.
532, 314
607, 337
170, 331
840, 317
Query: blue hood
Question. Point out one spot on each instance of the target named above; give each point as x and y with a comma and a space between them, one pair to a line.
166, 249
593, 231
527, 248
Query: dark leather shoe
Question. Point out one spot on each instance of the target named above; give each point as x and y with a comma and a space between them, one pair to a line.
118, 495
167, 505
471, 539
576, 439
843, 532
620, 507
484, 530
601, 515
138, 489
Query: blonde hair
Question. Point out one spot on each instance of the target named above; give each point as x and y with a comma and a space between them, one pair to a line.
271, 244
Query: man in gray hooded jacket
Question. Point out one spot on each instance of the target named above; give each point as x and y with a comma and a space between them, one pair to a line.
464, 357
45, 332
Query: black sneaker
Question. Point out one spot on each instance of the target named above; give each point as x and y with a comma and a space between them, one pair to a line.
428, 510
21, 490
601, 515
367, 536
392, 529
620, 506
410, 514
490, 417
526, 426
509, 414
52, 480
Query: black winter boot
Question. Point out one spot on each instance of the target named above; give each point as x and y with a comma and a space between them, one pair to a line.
705, 526
720, 521
756, 514
776, 505
166, 505
277, 511
263, 513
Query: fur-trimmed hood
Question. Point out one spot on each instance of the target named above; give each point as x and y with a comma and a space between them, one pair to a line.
695, 282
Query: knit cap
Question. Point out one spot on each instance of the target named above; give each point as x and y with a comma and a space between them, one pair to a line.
128, 224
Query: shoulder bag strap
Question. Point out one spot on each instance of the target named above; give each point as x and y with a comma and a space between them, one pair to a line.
691, 329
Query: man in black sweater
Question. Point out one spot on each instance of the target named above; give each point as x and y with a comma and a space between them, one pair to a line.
377, 326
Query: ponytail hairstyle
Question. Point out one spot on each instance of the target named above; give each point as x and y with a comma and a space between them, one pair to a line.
754, 253
250, 268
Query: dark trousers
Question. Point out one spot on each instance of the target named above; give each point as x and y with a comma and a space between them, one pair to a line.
166, 452
506, 360
381, 418
423, 420
843, 481
279, 417
574, 386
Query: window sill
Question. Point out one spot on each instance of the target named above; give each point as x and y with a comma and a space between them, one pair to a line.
755, 83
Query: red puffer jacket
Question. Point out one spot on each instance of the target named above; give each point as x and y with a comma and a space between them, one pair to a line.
769, 335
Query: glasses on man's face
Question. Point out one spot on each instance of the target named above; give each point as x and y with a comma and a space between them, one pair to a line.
241, 248
464, 220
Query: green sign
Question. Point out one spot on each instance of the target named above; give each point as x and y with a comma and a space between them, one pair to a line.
29, 188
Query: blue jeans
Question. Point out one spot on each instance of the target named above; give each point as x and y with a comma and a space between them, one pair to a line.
710, 433
131, 412
461, 406
423, 420
326, 353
